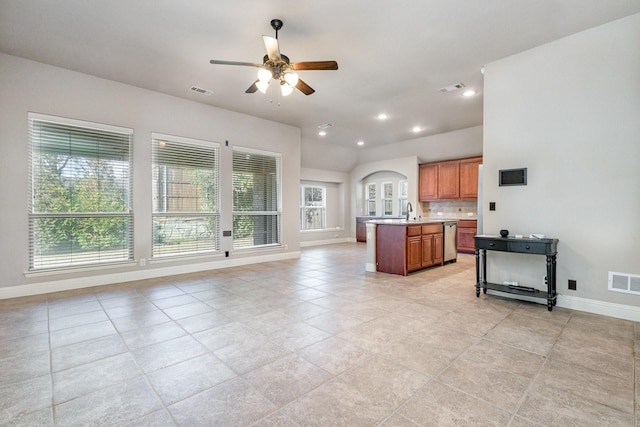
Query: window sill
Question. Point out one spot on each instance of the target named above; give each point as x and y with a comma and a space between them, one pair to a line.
79, 269
322, 230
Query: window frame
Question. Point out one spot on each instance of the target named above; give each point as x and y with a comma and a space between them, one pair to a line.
403, 196
369, 201
109, 141
276, 213
190, 150
387, 202
304, 207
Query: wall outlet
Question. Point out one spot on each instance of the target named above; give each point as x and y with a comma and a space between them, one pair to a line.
573, 284
143, 262
492, 206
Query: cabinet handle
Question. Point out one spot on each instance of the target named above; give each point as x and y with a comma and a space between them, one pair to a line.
528, 247
492, 244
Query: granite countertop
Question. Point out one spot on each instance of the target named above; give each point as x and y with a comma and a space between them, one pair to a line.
412, 221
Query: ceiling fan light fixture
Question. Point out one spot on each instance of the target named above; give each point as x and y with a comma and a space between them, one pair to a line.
286, 89
262, 86
291, 78
264, 75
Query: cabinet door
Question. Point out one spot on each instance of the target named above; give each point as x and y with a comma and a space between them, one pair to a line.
361, 231
438, 248
428, 185
469, 178
414, 253
466, 242
449, 180
427, 250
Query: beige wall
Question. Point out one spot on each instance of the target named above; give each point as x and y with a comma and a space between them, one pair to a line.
569, 111
27, 86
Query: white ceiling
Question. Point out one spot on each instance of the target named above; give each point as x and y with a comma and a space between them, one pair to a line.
393, 56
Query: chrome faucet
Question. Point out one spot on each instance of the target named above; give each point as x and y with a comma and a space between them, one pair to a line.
409, 209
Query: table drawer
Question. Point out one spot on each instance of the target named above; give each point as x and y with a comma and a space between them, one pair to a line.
492, 244
527, 247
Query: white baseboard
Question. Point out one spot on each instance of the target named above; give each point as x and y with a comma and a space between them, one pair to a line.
109, 279
327, 242
620, 311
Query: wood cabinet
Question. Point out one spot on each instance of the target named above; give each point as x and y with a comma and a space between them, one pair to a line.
401, 249
469, 177
361, 225
450, 180
428, 182
361, 229
466, 233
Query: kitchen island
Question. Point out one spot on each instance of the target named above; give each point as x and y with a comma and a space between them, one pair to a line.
403, 246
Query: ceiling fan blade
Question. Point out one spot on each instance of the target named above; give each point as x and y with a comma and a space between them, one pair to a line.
304, 88
273, 51
253, 88
314, 65
248, 64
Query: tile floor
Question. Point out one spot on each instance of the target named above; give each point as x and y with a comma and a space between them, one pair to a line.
311, 342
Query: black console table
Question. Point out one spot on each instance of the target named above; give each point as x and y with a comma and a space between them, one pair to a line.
548, 247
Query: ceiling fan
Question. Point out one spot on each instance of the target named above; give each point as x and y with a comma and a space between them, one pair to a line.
278, 67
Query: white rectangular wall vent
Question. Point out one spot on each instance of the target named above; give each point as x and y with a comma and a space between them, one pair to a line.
201, 90
624, 282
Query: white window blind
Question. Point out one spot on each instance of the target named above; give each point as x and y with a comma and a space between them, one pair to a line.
403, 196
80, 209
371, 199
312, 207
387, 198
186, 196
256, 198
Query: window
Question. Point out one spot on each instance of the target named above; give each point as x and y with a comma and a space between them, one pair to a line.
186, 213
387, 198
403, 191
312, 207
256, 198
80, 210
371, 199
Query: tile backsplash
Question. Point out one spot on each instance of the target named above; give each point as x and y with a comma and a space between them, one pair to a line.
460, 209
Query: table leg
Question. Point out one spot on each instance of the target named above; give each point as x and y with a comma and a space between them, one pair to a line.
551, 282
477, 272
484, 270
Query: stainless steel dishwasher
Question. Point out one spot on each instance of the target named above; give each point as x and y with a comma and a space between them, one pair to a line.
450, 241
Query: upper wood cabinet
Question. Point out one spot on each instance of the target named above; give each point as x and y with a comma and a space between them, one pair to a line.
428, 182
450, 180
469, 177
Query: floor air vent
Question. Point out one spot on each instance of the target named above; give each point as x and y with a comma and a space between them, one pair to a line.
623, 282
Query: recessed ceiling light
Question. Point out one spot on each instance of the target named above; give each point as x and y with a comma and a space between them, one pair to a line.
469, 92
416, 129
382, 116
360, 142
322, 133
